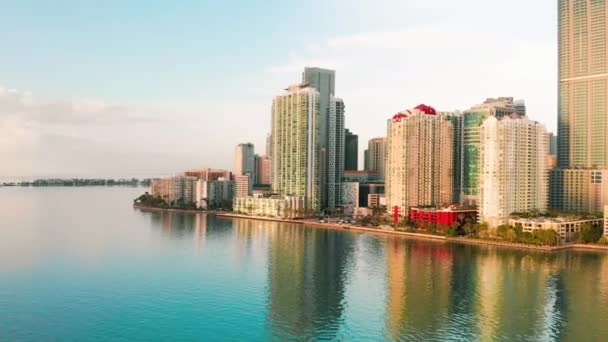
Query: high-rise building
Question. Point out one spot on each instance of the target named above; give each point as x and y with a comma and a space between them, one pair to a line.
582, 149
513, 170
471, 123
262, 170
295, 144
351, 151
376, 156
366, 160
419, 159
330, 134
244, 160
456, 119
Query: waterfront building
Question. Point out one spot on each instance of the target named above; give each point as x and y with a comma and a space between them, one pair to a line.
214, 194
174, 189
419, 163
451, 215
376, 156
351, 151
243, 185
271, 206
567, 229
471, 122
295, 144
350, 197
244, 160
513, 170
582, 146
262, 170
208, 174
330, 134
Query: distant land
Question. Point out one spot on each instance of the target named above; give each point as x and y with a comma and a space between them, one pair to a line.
81, 182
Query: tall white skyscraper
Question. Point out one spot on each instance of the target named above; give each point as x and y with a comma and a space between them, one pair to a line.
513, 170
419, 159
295, 144
330, 135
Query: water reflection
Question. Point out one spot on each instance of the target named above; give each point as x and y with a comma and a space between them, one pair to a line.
307, 271
418, 290
432, 290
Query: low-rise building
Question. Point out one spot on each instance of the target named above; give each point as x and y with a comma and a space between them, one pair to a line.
566, 228
273, 206
173, 189
361, 195
376, 200
447, 216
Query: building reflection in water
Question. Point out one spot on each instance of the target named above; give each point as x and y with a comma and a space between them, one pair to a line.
436, 291
307, 271
418, 288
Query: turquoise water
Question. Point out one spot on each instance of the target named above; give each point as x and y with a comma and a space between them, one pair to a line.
81, 264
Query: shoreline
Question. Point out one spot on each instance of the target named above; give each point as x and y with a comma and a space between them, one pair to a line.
380, 231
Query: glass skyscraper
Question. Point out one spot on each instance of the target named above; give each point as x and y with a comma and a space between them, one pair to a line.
581, 181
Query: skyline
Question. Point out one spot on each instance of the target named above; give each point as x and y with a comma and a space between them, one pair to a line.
145, 98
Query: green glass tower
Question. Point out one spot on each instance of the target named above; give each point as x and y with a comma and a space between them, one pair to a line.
580, 183
471, 122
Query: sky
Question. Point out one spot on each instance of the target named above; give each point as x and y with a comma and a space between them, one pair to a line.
150, 88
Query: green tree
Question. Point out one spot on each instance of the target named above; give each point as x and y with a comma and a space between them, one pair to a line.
590, 233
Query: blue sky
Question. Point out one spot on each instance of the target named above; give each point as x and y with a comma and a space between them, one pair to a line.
150, 87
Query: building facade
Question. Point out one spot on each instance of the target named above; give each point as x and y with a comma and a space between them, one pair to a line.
351, 151
567, 229
456, 119
578, 190
295, 144
376, 156
209, 174
274, 206
606, 220
262, 170
243, 185
582, 147
471, 123
330, 134
513, 173
174, 189
214, 194
451, 215
419, 159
